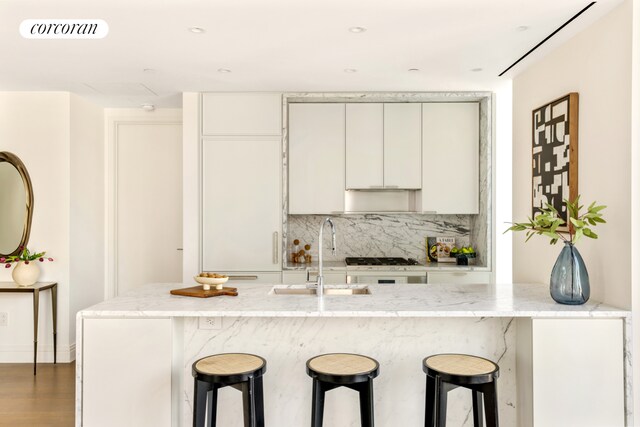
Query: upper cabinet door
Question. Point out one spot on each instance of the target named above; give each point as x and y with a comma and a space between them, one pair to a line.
241, 114
451, 149
402, 146
364, 142
316, 158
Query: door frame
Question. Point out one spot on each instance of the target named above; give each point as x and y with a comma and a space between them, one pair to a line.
114, 118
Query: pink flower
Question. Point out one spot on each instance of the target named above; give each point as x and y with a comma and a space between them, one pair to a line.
50, 259
3, 259
41, 259
7, 266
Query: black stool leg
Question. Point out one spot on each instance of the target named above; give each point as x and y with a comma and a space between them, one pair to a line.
317, 404
477, 408
430, 403
366, 403
441, 402
212, 404
200, 390
491, 403
248, 403
259, 402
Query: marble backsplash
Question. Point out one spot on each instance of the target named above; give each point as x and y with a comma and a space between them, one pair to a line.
369, 235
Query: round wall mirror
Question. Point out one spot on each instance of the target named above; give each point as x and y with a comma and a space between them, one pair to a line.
16, 204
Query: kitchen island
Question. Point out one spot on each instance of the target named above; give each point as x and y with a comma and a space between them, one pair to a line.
150, 339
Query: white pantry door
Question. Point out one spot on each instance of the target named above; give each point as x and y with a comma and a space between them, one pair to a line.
148, 194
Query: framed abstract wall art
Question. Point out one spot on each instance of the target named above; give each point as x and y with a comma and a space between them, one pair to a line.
555, 154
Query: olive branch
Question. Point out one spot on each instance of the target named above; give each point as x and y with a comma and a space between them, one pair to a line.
548, 222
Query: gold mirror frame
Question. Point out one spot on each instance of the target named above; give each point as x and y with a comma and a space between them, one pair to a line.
15, 161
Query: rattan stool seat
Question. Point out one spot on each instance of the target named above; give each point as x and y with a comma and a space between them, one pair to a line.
333, 370
237, 370
446, 372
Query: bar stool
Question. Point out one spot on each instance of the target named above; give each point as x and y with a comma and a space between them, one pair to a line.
334, 370
446, 372
238, 370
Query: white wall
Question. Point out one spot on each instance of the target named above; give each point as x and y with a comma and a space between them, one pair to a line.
502, 182
596, 63
87, 213
635, 189
35, 126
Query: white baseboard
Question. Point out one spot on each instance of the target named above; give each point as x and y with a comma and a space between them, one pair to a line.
24, 353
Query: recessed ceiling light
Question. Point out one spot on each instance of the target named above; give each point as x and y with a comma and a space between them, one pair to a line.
224, 70
148, 107
475, 70
196, 30
350, 70
522, 28
413, 70
357, 29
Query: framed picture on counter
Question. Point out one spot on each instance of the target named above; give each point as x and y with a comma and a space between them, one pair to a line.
555, 154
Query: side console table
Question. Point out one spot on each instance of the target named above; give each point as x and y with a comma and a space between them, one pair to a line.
35, 290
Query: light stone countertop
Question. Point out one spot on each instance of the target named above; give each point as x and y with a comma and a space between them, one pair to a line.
396, 300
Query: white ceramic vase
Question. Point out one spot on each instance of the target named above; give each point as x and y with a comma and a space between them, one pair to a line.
26, 274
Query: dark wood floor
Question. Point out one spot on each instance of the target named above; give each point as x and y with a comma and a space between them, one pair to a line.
46, 400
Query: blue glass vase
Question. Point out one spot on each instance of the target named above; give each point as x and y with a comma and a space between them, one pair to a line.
569, 277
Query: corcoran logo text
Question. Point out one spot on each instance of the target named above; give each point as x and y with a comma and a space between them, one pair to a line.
64, 29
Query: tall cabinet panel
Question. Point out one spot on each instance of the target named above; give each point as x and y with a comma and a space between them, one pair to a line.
316, 158
364, 146
241, 208
451, 151
402, 146
241, 150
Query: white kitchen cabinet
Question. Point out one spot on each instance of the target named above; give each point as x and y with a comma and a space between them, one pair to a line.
241, 204
241, 114
364, 146
402, 146
459, 277
316, 158
299, 277
383, 145
570, 372
450, 158
126, 372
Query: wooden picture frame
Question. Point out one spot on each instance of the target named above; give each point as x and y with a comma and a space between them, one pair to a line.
555, 155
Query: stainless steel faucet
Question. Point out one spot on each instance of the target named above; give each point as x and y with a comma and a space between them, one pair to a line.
320, 285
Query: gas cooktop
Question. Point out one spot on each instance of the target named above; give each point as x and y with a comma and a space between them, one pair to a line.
380, 261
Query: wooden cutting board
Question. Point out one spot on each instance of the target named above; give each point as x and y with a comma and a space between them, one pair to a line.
198, 292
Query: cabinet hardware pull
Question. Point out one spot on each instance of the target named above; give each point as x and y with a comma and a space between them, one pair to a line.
243, 277
179, 249
275, 247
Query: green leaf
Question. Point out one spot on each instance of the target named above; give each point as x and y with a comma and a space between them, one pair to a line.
597, 208
589, 233
599, 219
578, 223
578, 235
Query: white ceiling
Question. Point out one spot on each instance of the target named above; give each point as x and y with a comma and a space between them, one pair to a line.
280, 45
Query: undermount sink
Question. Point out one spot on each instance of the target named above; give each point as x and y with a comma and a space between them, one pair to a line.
328, 290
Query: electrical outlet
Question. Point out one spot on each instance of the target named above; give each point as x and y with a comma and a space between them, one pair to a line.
4, 319
210, 323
